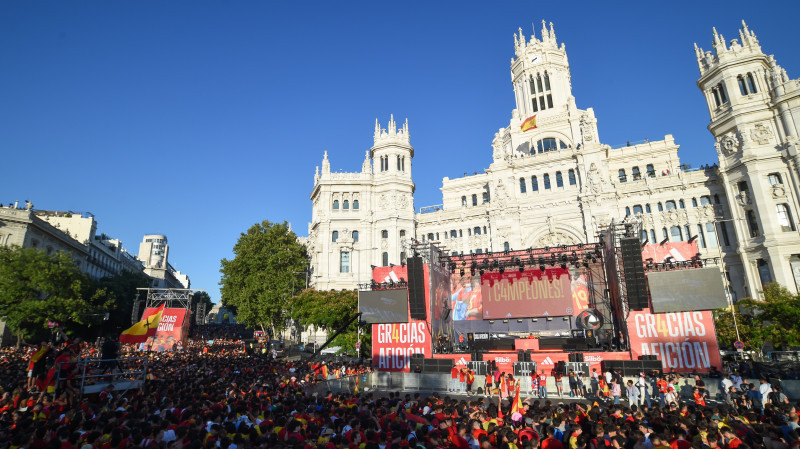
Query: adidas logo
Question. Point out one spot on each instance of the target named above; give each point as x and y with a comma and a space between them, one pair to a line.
461, 361
547, 361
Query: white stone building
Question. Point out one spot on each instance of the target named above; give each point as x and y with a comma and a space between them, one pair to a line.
559, 184
154, 255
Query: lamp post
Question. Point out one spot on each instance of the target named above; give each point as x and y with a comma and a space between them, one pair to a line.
724, 278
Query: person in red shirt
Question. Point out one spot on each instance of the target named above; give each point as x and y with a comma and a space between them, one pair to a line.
453, 379
551, 442
732, 441
543, 385
462, 378
699, 397
680, 442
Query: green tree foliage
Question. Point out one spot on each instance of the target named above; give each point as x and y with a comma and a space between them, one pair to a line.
268, 261
329, 310
122, 289
778, 313
750, 330
36, 287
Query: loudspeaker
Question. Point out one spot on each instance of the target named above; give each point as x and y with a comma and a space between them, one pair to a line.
437, 365
417, 356
633, 269
477, 356
576, 357
416, 289
521, 356
648, 366
552, 343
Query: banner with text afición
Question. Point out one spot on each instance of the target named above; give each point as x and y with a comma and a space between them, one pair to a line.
683, 341
393, 344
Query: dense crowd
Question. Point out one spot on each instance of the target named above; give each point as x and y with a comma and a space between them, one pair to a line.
204, 398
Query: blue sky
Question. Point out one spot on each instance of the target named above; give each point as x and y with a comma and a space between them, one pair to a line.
196, 119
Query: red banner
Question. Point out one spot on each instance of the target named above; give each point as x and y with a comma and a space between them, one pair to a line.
678, 251
394, 344
683, 341
530, 293
170, 331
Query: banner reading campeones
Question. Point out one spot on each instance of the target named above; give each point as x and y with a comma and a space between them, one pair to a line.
531, 293
683, 341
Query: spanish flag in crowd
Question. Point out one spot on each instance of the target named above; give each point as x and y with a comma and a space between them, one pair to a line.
516, 406
139, 332
324, 371
529, 123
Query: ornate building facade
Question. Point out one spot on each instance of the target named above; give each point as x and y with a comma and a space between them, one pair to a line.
557, 183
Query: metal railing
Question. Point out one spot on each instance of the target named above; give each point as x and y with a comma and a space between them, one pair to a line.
93, 376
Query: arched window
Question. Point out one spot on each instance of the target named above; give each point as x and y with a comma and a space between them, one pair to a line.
346, 205
742, 85
784, 217
539, 82
334, 236
705, 199
402, 233
637, 209
651, 171
385, 259
559, 179
430, 236
546, 81
636, 174
335, 204
384, 234
522, 185
664, 233
453, 233
477, 230
355, 236
694, 202
474, 200
671, 205
464, 201
681, 204
652, 235
547, 144
627, 211
643, 235
546, 181
506, 246
622, 176
534, 184
647, 208
355, 204
751, 83
572, 180
660, 207
675, 234
716, 199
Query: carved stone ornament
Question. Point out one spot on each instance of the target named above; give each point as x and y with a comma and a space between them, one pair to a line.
778, 191
729, 143
761, 134
554, 239
744, 198
586, 128
383, 201
403, 202
595, 180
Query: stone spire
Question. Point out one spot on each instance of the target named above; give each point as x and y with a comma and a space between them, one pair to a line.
366, 166
326, 165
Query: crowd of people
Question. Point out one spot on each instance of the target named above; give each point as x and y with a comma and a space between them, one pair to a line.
204, 398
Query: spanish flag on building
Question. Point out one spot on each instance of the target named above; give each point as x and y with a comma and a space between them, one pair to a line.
139, 332
529, 123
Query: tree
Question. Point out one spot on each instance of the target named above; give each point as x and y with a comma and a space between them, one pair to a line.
268, 261
201, 298
122, 288
778, 314
329, 310
36, 288
750, 330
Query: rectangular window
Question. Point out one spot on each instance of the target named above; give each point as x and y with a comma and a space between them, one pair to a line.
534, 184
344, 262
549, 101
711, 233
485, 197
385, 259
535, 105
752, 223
723, 228
774, 179
547, 181
701, 238
541, 103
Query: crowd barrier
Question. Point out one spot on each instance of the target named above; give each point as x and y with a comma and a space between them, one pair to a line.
439, 382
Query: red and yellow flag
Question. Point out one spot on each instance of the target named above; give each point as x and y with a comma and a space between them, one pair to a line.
516, 405
529, 123
139, 332
324, 372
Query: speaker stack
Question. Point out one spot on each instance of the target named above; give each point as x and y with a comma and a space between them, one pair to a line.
632, 367
633, 268
416, 289
437, 365
575, 357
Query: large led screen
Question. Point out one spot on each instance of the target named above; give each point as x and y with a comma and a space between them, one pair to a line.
530, 293
384, 306
682, 290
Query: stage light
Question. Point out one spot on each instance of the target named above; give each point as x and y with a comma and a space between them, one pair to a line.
481, 271
521, 269
566, 318
502, 270
541, 267
535, 320
563, 266
549, 318
461, 272
519, 320
505, 321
